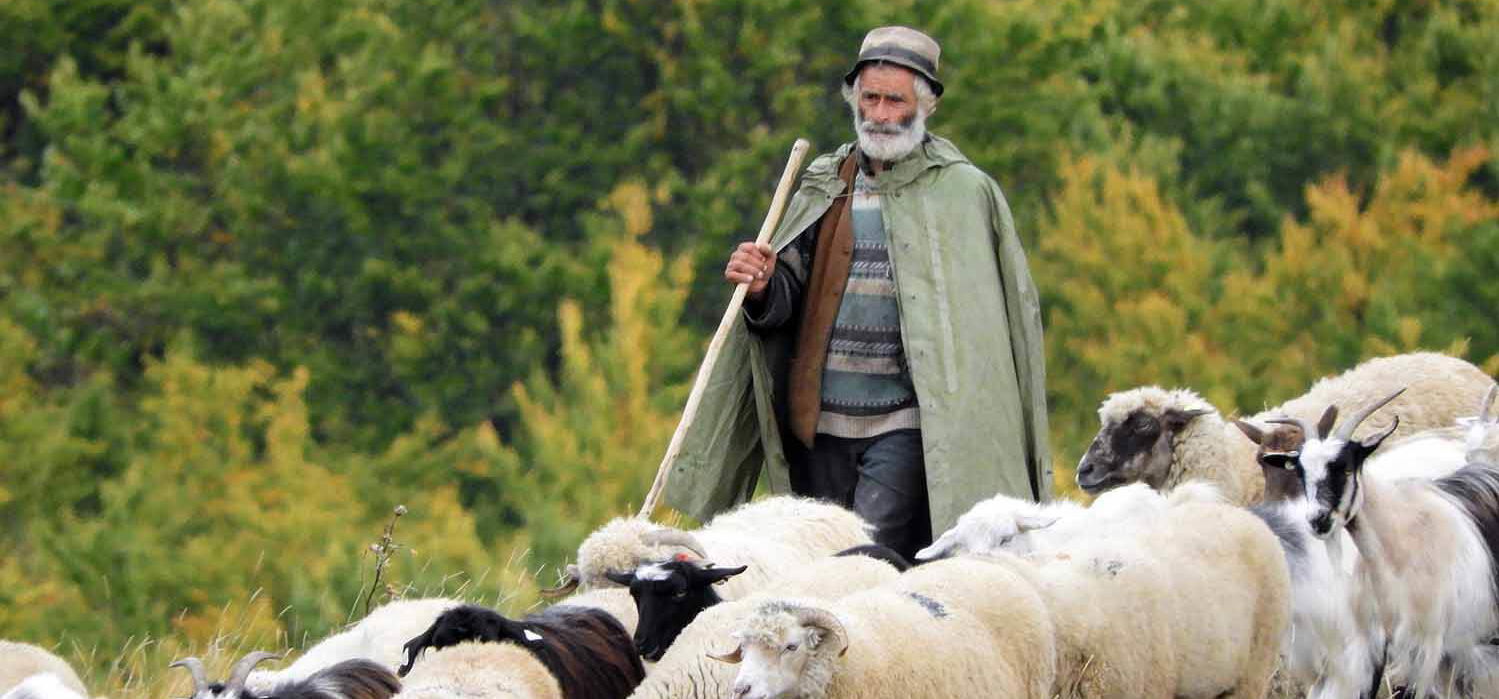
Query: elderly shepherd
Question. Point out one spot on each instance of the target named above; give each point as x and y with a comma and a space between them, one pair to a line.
890, 357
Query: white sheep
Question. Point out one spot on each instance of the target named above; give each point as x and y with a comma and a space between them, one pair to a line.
1427, 547
19, 661
1021, 526
922, 635
686, 670
480, 671
1163, 438
1155, 596
378, 637
42, 686
767, 535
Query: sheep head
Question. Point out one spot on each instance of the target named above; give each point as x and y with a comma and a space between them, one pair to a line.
1330, 466
668, 597
1136, 438
785, 649
993, 525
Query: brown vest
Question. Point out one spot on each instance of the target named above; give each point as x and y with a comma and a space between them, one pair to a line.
821, 299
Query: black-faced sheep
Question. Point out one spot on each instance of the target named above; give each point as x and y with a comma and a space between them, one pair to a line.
350, 679
767, 535
1163, 438
587, 650
670, 595
1428, 546
686, 670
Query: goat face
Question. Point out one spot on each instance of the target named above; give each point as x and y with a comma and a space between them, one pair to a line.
1138, 448
668, 596
466, 623
1331, 468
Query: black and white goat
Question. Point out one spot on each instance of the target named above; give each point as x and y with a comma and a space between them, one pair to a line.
586, 650
1428, 548
350, 679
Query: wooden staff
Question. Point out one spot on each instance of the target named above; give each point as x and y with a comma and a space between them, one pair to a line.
699, 386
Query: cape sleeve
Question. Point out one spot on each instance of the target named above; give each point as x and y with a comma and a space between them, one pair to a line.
1023, 307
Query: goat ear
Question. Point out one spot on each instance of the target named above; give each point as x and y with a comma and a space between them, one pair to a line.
1249, 429
1176, 418
732, 657
1373, 441
1325, 424
619, 578
719, 575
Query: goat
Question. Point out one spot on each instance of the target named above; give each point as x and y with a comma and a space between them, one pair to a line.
1429, 548
350, 679
1163, 438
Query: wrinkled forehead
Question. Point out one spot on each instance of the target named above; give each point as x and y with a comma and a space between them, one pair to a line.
770, 631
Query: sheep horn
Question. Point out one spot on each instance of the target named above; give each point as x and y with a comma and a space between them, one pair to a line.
569, 582
1488, 404
241, 672
732, 657
194, 666
824, 619
1345, 430
675, 537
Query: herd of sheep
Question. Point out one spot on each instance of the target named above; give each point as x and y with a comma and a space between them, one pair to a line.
1332, 547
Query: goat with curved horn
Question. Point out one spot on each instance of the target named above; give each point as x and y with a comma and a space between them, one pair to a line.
200, 676
1345, 430
235, 685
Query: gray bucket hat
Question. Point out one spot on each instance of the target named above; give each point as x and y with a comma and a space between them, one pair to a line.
903, 46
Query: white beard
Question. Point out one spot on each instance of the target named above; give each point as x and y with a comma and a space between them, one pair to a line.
890, 147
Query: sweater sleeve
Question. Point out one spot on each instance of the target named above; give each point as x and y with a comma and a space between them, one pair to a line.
783, 295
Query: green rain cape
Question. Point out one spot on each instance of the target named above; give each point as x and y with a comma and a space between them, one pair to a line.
973, 345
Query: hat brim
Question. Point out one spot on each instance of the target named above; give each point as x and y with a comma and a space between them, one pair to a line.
899, 56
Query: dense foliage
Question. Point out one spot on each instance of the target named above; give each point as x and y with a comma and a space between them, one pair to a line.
270, 268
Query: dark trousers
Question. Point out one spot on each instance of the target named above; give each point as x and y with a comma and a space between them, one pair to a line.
881, 478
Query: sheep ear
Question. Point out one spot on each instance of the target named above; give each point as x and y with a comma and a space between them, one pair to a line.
1176, 419
719, 575
1325, 425
569, 582
942, 548
1254, 433
733, 657
619, 578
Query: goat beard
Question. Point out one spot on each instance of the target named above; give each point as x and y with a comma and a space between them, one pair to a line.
890, 142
